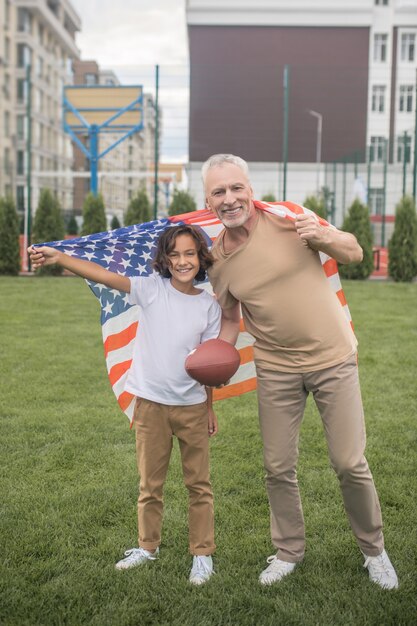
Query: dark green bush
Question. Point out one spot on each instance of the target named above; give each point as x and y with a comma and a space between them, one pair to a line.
402, 247
94, 217
139, 209
182, 202
48, 225
357, 222
9, 238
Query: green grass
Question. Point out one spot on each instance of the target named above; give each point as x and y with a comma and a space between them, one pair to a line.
69, 483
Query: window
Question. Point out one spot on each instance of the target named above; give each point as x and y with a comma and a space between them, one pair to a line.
378, 98
21, 90
403, 148
406, 98
24, 21
380, 47
376, 200
20, 197
408, 47
24, 55
90, 79
377, 151
39, 69
20, 165
20, 126
7, 170
381, 3
7, 123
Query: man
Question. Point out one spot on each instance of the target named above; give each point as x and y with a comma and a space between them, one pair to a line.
303, 343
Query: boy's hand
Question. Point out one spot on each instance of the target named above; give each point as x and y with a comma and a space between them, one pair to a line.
213, 427
43, 255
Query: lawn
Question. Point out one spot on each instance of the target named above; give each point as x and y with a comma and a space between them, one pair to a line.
69, 483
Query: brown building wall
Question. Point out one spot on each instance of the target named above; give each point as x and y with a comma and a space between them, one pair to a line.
236, 91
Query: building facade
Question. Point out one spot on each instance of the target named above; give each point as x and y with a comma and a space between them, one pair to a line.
337, 78
37, 46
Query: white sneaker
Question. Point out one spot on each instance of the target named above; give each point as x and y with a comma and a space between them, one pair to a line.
202, 570
136, 556
381, 571
276, 570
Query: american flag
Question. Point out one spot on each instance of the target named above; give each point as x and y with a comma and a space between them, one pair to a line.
129, 251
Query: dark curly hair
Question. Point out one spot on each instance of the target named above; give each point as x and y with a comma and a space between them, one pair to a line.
166, 244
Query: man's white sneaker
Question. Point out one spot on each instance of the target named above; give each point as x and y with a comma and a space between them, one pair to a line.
136, 556
276, 570
202, 570
381, 571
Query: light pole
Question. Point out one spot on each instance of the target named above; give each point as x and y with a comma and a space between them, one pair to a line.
318, 143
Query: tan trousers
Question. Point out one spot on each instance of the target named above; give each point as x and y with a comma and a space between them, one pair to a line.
156, 424
336, 391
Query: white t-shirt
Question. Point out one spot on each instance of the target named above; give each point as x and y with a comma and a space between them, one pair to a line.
171, 324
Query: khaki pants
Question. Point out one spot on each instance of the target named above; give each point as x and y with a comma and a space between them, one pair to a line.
336, 391
156, 424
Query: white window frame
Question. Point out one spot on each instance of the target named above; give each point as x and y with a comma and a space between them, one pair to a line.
378, 98
408, 47
377, 149
405, 103
380, 47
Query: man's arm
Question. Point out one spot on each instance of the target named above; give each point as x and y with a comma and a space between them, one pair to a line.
341, 246
44, 255
230, 324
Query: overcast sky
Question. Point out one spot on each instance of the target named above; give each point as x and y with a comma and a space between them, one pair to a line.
138, 32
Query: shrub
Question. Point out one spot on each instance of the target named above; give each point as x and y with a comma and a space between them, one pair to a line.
357, 222
402, 247
9, 238
139, 209
114, 223
48, 225
182, 202
94, 217
316, 204
72, 226
269, 197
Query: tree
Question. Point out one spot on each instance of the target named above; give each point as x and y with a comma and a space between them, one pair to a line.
357, 222
9, 238
94, 217
182, 202
316, 204
72, 226
48, 225
269, 197
139, 209
114, 223
402, 247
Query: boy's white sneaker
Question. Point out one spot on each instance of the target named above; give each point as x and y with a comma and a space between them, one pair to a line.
136, 556
202, 570
381, 571
276, 570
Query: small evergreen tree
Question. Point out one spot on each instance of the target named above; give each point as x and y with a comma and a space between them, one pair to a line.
316, 204
402, 247
139, 209
182, 202
94, 217
72, 226
357, 222
269, 197
48, 225
114, 223
9, 238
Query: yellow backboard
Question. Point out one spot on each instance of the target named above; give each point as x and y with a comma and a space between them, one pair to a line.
97, 104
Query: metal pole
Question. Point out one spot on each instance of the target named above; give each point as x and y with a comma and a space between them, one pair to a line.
29, 161
344, 189
384, 206
415, 147
285, 137
93, 132
368, 183
405, 151
318, 144
156, 162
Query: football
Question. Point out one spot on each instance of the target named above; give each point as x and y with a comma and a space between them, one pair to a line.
213, 362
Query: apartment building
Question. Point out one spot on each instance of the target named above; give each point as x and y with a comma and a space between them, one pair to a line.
37, 47
124, 169
349, 65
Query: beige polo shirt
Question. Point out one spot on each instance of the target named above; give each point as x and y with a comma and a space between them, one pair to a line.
287, 302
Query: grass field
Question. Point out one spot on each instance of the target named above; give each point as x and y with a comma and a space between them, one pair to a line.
69, 483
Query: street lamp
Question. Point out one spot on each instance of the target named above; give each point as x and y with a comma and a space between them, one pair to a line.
318, 144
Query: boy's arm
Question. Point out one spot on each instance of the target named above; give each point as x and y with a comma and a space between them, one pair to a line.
44, 255
213, 427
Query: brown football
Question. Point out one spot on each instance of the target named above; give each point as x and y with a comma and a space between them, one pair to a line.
213, 362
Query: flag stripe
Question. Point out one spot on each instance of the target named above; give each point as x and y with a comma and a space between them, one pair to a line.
118, 340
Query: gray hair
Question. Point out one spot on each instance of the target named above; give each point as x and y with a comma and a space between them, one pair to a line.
217, 160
